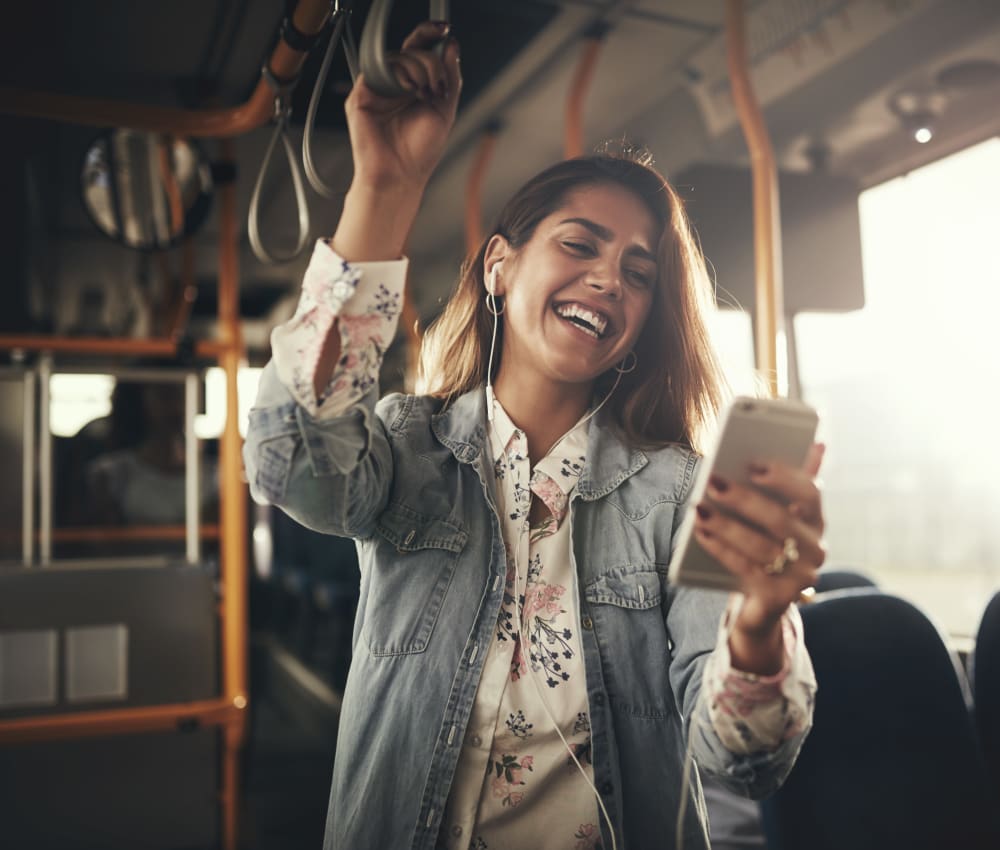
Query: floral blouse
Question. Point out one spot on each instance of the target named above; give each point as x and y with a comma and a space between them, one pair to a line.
516, 785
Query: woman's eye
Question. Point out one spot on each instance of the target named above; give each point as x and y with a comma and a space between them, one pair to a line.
640, 278
579, 247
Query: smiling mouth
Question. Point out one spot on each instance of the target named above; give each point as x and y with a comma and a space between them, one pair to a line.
584, 318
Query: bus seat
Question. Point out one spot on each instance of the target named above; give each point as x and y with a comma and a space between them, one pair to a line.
841, 578
892, 759
986, 687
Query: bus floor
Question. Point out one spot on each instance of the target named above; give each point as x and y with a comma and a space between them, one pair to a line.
288, 758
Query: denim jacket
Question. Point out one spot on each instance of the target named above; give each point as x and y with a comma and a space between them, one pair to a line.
409, 479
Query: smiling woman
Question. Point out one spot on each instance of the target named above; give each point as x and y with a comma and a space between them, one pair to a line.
512, 543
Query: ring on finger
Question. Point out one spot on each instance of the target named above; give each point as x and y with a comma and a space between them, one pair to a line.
789, 555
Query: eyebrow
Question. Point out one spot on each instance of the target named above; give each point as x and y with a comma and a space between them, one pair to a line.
606, 235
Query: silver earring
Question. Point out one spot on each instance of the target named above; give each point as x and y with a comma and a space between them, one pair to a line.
620, 368
491, 304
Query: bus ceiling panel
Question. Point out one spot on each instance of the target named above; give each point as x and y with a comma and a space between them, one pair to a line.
168, 54
819, 219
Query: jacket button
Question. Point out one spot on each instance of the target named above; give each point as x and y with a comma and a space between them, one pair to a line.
587, 623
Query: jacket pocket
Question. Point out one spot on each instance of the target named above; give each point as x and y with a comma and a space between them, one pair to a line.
414, 560
625, 608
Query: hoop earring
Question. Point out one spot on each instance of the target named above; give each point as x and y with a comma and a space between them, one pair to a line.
491, 305
621, 370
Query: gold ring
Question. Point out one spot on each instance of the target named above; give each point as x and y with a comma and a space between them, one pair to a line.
789, 555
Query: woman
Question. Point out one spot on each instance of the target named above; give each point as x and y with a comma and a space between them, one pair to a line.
523, 675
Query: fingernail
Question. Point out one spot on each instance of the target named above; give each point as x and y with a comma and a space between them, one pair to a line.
704, 511
758, 468
718, 484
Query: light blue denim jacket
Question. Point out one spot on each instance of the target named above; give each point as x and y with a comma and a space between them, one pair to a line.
410, 480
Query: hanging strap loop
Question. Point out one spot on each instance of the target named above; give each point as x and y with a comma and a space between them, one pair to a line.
282, 112
341, 33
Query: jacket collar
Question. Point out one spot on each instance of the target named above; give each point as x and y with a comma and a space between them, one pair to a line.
461, 427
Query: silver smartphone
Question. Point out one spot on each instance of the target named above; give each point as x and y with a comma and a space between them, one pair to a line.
752, 429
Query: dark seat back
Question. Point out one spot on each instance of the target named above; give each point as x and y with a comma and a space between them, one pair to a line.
986, 688
893, 759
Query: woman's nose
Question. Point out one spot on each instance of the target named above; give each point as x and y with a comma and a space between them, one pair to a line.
606, 281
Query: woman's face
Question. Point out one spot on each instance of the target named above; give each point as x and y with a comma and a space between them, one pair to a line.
577, 294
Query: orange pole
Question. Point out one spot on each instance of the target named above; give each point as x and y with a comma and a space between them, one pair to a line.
171, 187
309, 17
578, 93
128, 534
165, 348
189, 290
233, 508
115, 722
766, 216
474, 188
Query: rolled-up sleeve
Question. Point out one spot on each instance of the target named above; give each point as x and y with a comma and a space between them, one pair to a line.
364, 300
326, 460
752, 713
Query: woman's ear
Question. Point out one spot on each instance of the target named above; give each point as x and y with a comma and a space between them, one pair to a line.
493, 258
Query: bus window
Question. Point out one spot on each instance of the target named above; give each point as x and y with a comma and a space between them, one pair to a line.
907, 391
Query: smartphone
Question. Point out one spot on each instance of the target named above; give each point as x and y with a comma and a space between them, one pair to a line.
752, 429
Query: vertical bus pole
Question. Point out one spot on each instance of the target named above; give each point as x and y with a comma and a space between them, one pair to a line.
769, 311
234, 508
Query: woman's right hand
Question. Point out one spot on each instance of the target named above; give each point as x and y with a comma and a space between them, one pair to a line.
397, 141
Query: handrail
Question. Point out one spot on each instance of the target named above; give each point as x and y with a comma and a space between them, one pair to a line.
374, 59
214, 712
309, 17
474, 187
165, 348
766, 218
580, 86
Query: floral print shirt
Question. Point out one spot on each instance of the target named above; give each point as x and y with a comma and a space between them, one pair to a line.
516, 785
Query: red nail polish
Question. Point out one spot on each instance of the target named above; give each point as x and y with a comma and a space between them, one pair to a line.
719, 483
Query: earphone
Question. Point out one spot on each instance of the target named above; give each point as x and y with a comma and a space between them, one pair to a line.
491, 305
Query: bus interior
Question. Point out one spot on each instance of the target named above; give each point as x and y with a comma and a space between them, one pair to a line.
172, 655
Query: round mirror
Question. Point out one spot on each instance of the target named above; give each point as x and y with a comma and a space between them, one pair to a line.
144, 189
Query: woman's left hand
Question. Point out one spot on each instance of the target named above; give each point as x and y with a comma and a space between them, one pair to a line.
769, 535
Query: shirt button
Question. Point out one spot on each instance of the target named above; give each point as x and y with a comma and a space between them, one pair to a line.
456, 830
475, 740
587, 623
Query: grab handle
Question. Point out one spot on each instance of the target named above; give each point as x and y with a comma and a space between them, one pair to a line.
373, 56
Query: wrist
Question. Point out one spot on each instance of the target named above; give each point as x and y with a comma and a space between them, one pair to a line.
376, 222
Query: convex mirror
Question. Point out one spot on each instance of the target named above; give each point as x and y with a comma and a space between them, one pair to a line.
146, 190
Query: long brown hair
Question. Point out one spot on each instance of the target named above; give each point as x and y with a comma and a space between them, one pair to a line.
675, 391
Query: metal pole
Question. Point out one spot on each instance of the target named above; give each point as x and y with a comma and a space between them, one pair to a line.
45, 460
28, 472
192, 471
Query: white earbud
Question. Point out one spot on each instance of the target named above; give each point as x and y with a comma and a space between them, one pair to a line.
491, 283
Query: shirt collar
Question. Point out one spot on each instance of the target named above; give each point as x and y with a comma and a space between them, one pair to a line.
564, 462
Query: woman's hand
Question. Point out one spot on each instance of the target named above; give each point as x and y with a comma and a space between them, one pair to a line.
770, 536
397, 141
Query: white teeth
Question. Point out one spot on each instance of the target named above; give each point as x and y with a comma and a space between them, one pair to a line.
595, 323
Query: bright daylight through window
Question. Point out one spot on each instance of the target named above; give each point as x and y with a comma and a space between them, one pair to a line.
907, 390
